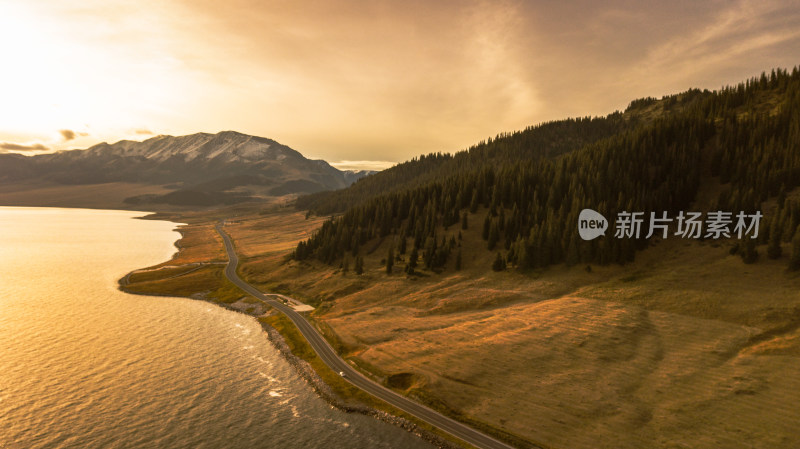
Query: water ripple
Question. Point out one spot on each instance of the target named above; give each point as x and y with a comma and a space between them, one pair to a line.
84, 365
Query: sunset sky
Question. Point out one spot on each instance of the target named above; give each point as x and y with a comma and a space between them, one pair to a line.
361, 80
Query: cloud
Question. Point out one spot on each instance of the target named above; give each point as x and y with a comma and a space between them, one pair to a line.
9, 146
360, 80
746, 31
67, 134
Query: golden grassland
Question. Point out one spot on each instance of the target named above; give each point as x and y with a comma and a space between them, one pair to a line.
349, 395
686, 347
197, 271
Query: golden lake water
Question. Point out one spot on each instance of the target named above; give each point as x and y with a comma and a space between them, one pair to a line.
83, 365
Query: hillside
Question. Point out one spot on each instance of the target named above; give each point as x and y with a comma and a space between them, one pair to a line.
543, 141
652, 158
680, 345
472, 291
547, 140
194, 170
684, 347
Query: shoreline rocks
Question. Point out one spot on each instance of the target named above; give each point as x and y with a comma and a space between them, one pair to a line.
327, 394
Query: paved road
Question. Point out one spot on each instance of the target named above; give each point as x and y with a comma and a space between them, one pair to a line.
329, 356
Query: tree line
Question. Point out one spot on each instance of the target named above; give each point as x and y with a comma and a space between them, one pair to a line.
530, 186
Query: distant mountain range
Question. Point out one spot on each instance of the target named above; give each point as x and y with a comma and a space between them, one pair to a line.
199, 169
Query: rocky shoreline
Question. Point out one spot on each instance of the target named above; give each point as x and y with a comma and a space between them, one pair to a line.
303, 368
326, 393
322, 389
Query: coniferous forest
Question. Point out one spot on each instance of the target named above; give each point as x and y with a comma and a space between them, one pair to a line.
531, 185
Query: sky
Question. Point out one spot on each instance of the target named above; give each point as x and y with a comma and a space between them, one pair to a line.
361, 83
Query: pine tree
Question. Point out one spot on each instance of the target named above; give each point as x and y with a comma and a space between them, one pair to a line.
359, 265
499, 263
464, 220
430, 252
774, 250
412, 261
473, 204
300, 251
782, 196
749, 253
501, 219
511, 256
458, 260
389, 261
573, 254
345, 266
522, 254
794, 262
494, 235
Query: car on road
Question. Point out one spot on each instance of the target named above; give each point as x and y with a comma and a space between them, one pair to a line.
342, 373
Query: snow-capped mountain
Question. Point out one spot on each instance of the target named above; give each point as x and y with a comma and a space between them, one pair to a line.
228, 146
227, 163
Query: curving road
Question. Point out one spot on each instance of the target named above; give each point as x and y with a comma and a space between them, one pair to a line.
337, 364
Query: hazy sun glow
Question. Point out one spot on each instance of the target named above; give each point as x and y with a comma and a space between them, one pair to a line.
362, 80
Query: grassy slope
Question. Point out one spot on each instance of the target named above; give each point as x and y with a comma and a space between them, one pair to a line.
687, 344
197, 272
686, 347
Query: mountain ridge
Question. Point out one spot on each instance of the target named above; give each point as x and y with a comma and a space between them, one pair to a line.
225, 167
201, 144
534, 183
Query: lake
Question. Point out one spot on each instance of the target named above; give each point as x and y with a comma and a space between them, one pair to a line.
85, 365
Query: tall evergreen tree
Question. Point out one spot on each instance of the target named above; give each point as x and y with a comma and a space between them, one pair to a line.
794, 262
389, 261
412, 261
774, 246
487, 223
499, 263
748, 252
494, 235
